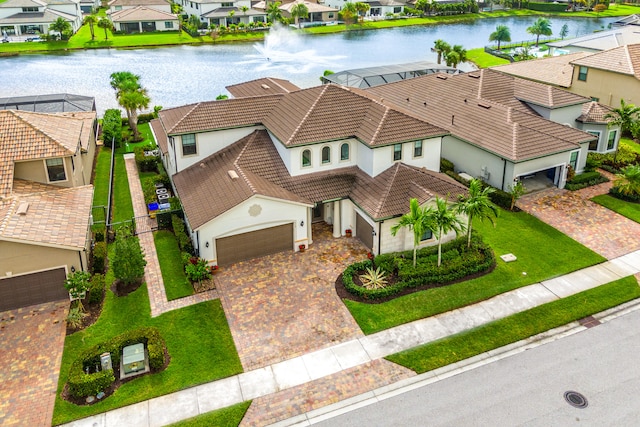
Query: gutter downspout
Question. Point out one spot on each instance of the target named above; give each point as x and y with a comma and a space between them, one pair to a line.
504, 172
379, 235
80, 258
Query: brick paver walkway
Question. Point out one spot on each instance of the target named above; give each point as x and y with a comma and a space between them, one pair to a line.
285, 305
598, 228
324, 391
152, 273
32, 343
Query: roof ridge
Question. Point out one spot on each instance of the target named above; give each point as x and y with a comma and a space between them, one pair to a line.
380, 124
387, 191
196, 105
37, 129
5, 219
627, 55
308, 113
236, 165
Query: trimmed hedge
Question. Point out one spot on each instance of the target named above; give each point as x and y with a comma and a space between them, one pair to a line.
457, 262
184, 242
146, 163
82, 384
626, 197
99, 255
446, 165
96, 289
112, 128
547, 7
585, 180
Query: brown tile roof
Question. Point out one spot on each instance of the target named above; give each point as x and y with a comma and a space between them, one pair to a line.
554, 70
26, 136
624, 60
88, 119
263, 86
59, 217
331, 112
261, 171
593, 112
140, 13
160, 135
139, 3
222, 114
485, 109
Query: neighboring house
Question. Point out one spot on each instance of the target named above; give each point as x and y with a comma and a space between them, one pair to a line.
262, 86
51, 103
597, 42
317, 12
143, 19
606, 76
379, 8
118, 5
45, 203
89, 6
627, 20
23, 17
217, 12
254, 173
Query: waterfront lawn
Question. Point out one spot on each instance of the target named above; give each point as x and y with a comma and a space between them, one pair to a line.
483, 59
226, 417
176, 284
517, 327
626, 209
542, 251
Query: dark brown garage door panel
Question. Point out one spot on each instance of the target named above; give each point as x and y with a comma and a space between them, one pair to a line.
364, 231
31, 289
254, 244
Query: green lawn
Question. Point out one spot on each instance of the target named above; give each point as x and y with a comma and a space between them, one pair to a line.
198, 340
227, 417
542, 251
122, 204
626, 209
633, 146
101, 186
175, 282
517, 327
147, 138
483, 59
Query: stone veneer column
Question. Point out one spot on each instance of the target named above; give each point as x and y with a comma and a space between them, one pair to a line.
336, 219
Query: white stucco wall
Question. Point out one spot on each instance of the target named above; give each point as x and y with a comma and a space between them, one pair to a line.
293, 156
567, 115
603, 138
471, 160
243, 219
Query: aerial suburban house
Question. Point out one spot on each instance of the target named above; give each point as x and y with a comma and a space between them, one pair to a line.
254, 173
318, 12
118, 5
219, 12
143, 19
26, 17
606, 76
45, 202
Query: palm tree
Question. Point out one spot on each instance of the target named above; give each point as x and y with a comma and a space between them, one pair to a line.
443, 220
456, 56
348, 12
91, 20
564, 31
441, 47
501, 34
476, 205
625, 117
61, 26
105, 24
244, 10
274, 14
542, 26
299, 10
417, 220
131, 96
627, 181
362, 8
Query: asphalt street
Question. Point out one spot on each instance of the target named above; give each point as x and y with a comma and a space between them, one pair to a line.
528, 388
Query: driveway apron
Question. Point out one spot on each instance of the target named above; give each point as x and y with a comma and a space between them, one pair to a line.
285, 305
32, 343
572, 212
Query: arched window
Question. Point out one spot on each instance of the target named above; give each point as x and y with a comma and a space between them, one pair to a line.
344, 151
306, 158
326, 154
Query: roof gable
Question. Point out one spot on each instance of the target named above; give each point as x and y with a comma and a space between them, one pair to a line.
624, 60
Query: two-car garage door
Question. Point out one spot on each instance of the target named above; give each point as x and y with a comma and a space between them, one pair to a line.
254, 244
31, 289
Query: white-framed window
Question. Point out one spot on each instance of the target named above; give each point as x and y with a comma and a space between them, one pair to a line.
118, 8
326, 154
427, 235
397, 152
168, 24
306, 158
344, 151
582, 73
189, 144
573, 160
417, 149
55, 170
593, 145
611, 141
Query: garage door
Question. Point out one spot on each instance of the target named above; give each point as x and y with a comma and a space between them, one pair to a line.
364, 231
30, 289
254, 244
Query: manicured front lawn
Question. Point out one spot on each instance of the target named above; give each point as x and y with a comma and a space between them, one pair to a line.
626, 209
542, 251
517, 327
226, 417
176, 284
198, 341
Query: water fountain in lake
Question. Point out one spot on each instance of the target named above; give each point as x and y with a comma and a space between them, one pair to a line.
284, 49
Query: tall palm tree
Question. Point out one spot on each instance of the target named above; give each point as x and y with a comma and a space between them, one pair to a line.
105, 24
298, 11
501, 34
627, 181
61, 26
131, 96
362, 9
542, 27
91, 20
348, 12
274, 14
443, 220
625, 117
441, 47
476, 204
456, 56
417, 220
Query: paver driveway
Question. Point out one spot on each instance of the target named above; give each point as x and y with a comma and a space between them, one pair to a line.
285, 305
32, 343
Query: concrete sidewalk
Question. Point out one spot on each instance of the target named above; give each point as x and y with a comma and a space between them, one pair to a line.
313, 366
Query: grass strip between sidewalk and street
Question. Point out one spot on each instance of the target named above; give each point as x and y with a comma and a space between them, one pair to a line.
542, 253
517, 327
626, 209
226, 417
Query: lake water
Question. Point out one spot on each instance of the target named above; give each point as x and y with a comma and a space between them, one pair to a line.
184, 74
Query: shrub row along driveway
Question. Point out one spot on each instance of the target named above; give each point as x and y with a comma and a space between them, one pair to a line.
285, 305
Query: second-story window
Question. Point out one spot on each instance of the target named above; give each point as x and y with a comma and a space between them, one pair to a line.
344, 151
417, 149
306, 158
55, 170
582, 74
397, 152
189, 144
326, 154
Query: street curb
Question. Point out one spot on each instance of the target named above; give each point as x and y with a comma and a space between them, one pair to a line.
403, 386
